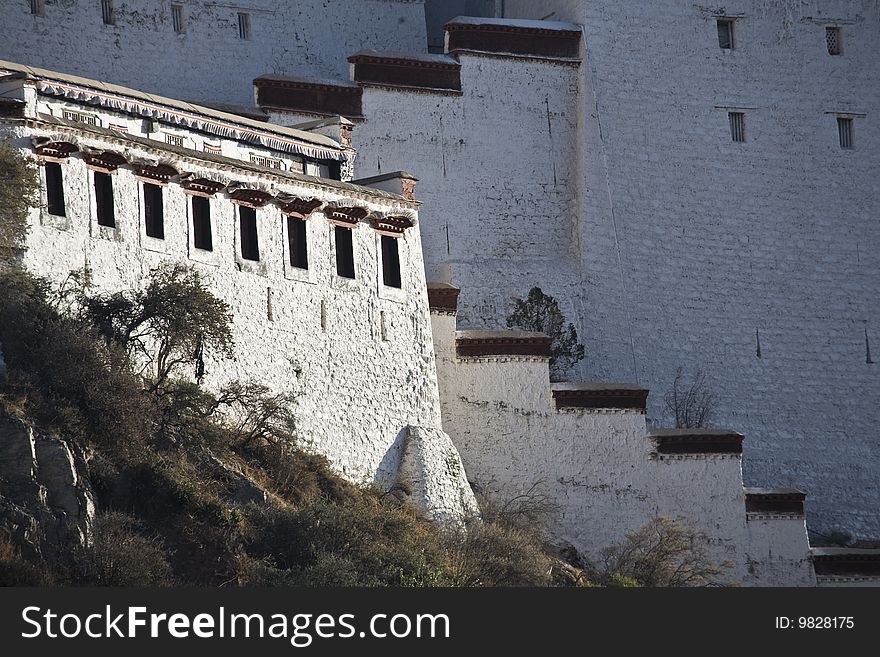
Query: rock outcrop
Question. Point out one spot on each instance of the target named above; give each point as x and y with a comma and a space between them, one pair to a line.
46, 501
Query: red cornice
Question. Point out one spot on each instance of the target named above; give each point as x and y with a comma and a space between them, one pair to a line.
512, 345
599, 396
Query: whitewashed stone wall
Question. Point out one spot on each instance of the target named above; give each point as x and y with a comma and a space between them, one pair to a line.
496, 174
208, 62
357, 354
720, 244
598, 470
666, 243
776, 551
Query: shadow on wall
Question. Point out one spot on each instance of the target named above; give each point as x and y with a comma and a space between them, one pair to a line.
439, 12
386, 473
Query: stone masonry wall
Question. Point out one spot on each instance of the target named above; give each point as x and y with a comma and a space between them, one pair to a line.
598, 470
357, 354
208, 61
756, 262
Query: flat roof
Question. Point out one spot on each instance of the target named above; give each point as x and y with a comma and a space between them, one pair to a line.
516, 23
209, 112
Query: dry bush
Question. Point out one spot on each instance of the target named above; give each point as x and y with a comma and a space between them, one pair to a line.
295, 475
359, 541
168, 325
691, 403
507, 546
662, 553
71, 380
120, 555
15, 570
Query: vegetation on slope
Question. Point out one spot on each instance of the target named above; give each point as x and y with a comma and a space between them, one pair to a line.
167, 458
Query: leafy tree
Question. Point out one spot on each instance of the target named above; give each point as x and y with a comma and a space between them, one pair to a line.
19, 191
540, 312
168, 325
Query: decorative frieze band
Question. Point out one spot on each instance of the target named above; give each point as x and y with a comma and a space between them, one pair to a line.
782, 501
502, 343
443, 297
544, 39
600, 395
846, 562
324, 98
437, 73
697, 441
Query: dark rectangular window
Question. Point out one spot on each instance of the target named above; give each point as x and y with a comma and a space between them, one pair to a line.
154, 217
737, 126
54, 189
344, 252
390, 261
201, 217
832, 40
250, 245
38, 7
725, 33
296, 240
177, 18
244, 26
104, 199
107, 12
845, 131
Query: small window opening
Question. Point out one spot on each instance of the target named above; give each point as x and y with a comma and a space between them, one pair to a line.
38, 7
296, 240
177, 18
250, 246
201, 218
832, 40
737, 126
154, 217
845, 131
107, 12
55, 189
344, 252
244, 25
104, 199
390, 262
725, 33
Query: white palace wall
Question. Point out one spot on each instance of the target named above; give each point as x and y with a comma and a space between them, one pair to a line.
599, 469
357, 353
757, 262
208, 61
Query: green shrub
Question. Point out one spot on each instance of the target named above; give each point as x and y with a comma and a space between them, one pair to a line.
19, 191
540, 312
